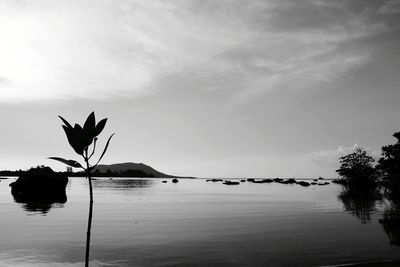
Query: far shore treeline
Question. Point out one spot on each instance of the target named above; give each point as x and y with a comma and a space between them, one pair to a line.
357, 169
96, 173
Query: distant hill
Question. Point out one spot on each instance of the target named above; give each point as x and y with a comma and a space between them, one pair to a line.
131, 166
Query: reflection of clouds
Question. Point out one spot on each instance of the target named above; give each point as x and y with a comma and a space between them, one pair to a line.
122, 183
34, 261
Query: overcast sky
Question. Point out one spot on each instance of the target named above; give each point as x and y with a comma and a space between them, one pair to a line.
201, 88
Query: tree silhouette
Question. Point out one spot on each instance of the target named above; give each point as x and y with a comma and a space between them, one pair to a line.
389, 166
357, 168
81, 138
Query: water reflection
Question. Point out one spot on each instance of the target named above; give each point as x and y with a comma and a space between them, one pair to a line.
360, 202
41, 205
391, 221
122, 183
23, 258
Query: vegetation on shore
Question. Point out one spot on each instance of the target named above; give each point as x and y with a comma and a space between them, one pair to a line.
96, 173
359, 170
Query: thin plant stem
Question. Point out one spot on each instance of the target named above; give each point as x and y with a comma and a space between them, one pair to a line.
89, 227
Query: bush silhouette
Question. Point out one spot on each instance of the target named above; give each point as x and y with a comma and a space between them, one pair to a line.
357, 168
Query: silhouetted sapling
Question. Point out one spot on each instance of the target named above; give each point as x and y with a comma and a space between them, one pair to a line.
357, 169
80, 138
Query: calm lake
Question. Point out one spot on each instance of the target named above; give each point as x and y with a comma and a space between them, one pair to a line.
144, 222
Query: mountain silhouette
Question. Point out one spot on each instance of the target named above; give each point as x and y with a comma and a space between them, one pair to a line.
121, 167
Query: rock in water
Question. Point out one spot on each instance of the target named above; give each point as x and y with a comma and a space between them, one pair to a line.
40, 184
175, 180
289, 181
214, 180
230, 183
302, 183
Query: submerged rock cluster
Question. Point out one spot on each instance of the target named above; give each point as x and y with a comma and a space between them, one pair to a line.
275, 180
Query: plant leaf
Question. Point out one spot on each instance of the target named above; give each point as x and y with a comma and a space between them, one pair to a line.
100, 126
70, 162
90, 125
71, 136
79, 140
104, 151
65, 122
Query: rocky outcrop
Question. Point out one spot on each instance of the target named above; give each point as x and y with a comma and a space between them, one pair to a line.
40, 184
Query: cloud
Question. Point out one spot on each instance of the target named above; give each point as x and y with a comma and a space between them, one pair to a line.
4, 81
390, 7
103, 49
331, 157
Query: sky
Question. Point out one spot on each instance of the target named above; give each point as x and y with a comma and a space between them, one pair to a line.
204, 88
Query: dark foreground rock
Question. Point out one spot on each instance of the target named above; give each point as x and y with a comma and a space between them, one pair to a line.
40, 185
175, 180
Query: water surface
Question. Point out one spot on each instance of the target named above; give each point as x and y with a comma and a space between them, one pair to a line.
144, 222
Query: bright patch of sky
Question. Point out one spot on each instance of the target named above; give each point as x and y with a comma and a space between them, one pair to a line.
100, 49
202, 87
